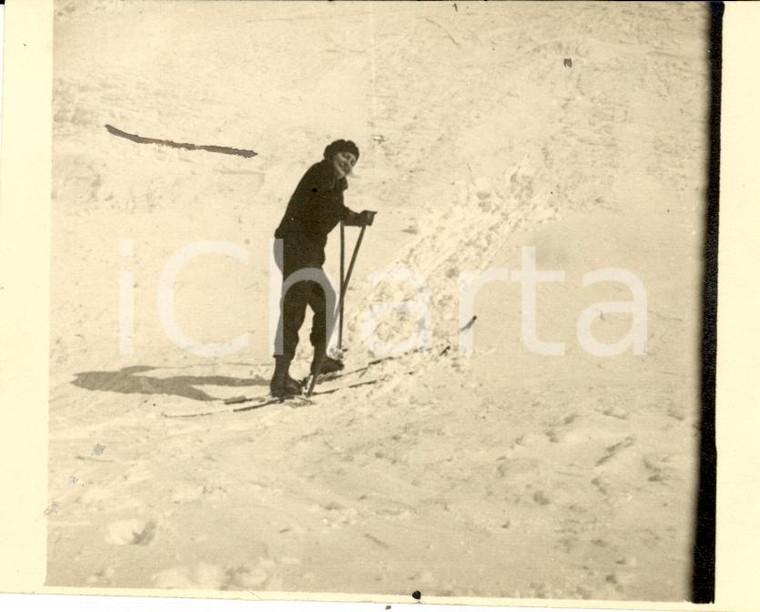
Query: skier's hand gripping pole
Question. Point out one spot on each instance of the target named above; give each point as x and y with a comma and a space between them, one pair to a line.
367, 217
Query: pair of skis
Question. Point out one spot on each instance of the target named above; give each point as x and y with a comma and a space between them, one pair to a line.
245, 404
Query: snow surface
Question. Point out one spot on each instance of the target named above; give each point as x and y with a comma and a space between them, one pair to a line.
500, 474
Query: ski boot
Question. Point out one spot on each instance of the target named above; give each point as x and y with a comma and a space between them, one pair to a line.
282, 384
329, 365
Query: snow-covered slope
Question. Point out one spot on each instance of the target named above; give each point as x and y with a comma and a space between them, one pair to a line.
575, 128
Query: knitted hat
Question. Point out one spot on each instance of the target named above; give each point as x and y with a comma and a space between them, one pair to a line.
341, 146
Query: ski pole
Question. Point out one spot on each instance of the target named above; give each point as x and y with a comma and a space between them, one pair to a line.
342, 279
318, 369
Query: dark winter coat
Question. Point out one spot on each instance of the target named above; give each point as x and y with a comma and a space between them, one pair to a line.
314, 209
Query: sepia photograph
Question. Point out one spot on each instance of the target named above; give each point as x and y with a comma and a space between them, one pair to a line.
381, 299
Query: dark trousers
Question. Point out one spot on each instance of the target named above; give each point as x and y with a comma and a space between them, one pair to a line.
293, 257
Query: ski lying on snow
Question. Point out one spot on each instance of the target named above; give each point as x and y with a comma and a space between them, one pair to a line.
361, 370
233, 404
326, 378
256, 403
250, 404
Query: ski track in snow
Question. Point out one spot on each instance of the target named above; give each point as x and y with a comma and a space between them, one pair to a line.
504, 474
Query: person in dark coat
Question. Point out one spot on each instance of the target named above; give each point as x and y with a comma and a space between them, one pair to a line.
314, 209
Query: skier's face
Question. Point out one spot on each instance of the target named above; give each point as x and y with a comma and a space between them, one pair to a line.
343, 163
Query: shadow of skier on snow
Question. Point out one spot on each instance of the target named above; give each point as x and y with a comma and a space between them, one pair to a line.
131, 380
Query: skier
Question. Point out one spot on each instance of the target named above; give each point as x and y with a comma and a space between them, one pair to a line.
314, 209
